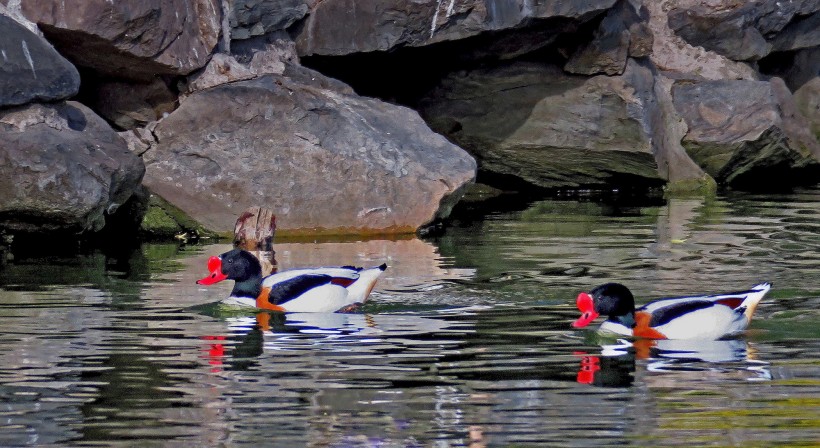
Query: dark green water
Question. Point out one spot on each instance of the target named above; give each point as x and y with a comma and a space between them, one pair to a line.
466, 341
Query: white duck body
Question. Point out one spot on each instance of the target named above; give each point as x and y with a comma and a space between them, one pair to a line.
344, 286
706, 317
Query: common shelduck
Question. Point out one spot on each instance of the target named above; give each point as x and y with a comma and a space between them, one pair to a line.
693, 317
321, 290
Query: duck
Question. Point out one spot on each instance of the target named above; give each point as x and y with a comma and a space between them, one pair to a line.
707, 317
321, 290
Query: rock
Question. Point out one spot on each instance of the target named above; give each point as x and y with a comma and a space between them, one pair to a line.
338, 27
802, 33
743, 131
673, 54
224, 69
747, 31
131, 38
129, 105
162, 221
12, 10
250, 18
654, 109
125, 223
323, 160
221, 69
248, 62
807, 99
62, 168
550, 129
31, 69
140, 140
641, 39
613, 42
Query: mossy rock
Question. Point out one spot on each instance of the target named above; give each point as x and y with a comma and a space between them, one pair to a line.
165, 221
702, 186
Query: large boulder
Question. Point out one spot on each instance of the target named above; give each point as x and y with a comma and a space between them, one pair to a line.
131, 38
748, 30
339, 27
322, 158
548, 128
747, 133
31, 69
62, 168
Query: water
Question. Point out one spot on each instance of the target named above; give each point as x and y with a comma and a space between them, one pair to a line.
466, 341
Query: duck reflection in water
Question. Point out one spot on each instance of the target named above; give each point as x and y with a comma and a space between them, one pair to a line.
249, 337
616, 363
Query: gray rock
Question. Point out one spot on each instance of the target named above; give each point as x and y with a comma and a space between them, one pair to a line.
653, 107
748, 30
543, 126
250, 18
31, 69
622, 32
338, 27
743, 131
223, 68
324, 160
131, 38
62, 168
803, 32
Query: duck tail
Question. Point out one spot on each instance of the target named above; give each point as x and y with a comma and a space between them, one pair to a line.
756, 294
361, 288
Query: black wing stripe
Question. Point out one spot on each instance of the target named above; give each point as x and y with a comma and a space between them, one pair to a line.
292, 288
668, 313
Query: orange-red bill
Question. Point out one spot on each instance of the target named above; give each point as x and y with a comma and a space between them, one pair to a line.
587, 307
216, 275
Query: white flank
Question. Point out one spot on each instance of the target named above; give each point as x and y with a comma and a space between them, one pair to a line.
707, 323
322, 299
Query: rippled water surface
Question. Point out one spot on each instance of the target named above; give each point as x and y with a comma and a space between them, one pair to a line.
466, 340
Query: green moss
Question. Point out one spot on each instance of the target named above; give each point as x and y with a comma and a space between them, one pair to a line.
159, 223
701, 186
164, 221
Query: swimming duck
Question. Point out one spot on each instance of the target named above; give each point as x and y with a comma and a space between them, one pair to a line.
321, 290
694, 317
